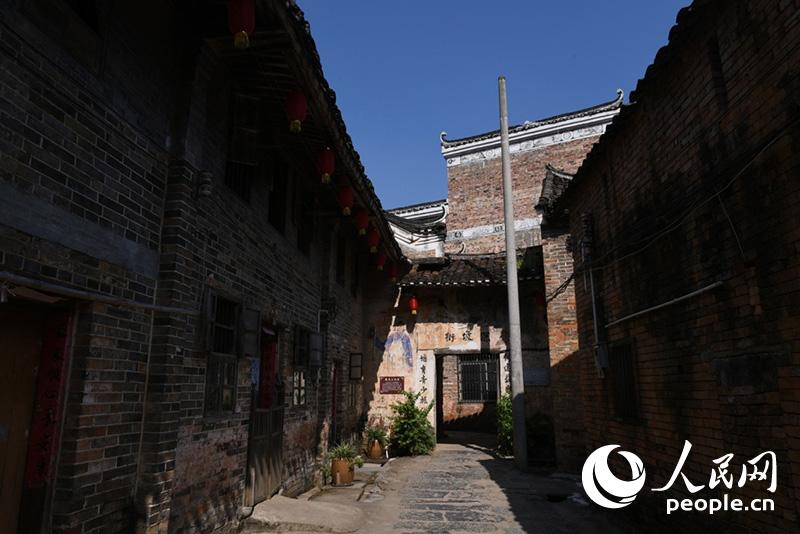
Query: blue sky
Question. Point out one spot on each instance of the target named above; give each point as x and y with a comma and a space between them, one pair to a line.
405, 71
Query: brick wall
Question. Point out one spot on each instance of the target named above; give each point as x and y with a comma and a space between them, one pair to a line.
102, 152
475, 193
562, 344
711, 145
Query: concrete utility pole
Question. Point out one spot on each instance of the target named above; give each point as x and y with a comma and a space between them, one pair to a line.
514, 336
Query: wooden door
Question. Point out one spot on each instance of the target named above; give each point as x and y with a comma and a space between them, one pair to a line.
21, 334
265, 458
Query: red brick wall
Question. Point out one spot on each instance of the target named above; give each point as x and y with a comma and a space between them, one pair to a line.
562, 329
719, 369
475, 192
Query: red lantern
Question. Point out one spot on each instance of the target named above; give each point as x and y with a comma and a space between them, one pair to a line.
362, 221
345, 199
373, 238
241, 21
393, 272
380, 261
296, 110
326, 164
413, 305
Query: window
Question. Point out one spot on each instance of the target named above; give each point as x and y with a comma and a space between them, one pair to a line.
356, 371
279, 175
341, 260
355, 276
477, 378
299, 388
622, 375
242, 164
223, 320
305, 224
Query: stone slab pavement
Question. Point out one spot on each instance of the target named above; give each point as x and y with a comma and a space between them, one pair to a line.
460, 488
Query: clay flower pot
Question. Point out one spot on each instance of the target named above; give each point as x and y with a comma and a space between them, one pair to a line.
375, 450
342, 472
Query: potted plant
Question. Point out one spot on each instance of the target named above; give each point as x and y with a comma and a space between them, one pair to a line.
344, 459
376, 441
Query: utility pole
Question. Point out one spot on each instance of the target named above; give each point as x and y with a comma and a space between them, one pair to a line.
514, 336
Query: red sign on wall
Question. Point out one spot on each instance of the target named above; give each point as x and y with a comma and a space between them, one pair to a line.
44, 437
392, 385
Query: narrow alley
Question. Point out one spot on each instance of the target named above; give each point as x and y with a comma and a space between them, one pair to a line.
249, 281
462, 487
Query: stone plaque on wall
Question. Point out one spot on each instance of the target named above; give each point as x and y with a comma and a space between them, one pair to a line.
392, 385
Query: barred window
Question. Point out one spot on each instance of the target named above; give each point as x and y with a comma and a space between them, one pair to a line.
299, 388
223, 320
477, 377
622, 375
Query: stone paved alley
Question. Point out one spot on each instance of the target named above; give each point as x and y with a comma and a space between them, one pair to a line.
460, 488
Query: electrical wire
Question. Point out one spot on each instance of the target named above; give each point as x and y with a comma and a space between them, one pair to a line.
650, 240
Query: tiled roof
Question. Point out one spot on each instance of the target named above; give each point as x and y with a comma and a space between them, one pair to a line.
302, 29
527, 125
470, 270
554, 184
403, 210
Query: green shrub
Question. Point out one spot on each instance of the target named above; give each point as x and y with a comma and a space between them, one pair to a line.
376, 433
505, 425
346, 451
412, 433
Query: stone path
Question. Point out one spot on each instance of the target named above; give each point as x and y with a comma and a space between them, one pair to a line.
460, 488
465, 489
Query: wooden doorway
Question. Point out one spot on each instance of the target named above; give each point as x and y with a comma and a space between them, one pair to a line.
33, 366
265, 448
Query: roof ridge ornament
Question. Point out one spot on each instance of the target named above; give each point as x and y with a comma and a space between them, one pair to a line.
528, 124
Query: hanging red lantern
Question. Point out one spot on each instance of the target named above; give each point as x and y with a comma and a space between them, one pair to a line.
296, 110
413, 304
326, 164
373, 238
392, 272
241, 21
380, 261
345, 199
362, 220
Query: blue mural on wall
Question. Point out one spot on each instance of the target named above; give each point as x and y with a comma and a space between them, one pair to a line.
405, 345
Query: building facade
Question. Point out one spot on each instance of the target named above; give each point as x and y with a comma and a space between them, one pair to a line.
182, 297
683, 220
458, 339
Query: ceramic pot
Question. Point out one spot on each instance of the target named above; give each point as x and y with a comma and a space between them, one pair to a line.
375, 450
342, 472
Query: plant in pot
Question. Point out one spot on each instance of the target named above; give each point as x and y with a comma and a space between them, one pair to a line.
376, 441
344, 459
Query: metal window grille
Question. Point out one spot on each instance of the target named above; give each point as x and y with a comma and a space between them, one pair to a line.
299, 388
477, 377
221, 365
622, 372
